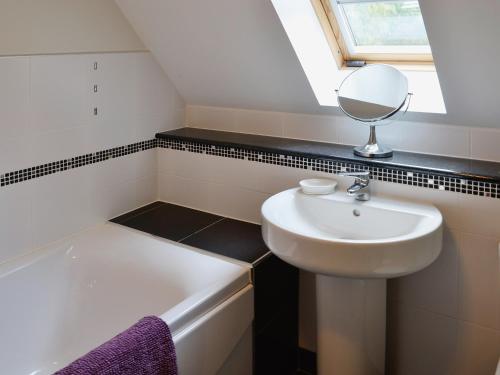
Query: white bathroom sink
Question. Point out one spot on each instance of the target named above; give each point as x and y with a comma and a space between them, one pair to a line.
336, 235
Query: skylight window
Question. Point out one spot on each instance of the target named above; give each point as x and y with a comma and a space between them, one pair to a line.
371, 30
312, 36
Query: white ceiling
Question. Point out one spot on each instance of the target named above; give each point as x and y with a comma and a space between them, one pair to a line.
235, 53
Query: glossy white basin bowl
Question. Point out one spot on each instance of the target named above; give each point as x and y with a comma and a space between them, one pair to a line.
336, 235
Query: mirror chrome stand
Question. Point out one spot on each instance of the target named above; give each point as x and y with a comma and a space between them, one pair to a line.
372, 149
362, 99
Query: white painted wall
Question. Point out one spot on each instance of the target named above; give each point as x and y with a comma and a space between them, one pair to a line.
29, 27
46, 114
223, 53
464, 39
236, 54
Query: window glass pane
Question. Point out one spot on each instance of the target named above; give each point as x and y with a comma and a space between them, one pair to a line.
385, 23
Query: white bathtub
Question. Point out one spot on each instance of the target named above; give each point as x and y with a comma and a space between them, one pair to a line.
61, 301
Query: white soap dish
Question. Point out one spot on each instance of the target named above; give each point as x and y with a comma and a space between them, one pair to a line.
318, 186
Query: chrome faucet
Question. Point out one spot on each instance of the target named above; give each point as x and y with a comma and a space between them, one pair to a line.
359, 190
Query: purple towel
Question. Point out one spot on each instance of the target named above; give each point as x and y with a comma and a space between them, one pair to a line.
146, 348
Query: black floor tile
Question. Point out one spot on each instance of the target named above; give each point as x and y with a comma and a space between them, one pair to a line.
307, 362
123, 218
167, 220
232, 238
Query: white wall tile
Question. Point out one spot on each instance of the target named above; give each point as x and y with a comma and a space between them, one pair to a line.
211, 118
261, 177
165, 186
15, 153
146, 163
485, 144
221, 199
117, 80
190, 116
60, 144
15, 220
310, 127
146, 190
14, 96
61, 205
135, 99
408, 136
434, 139
421, 342
101, 135
111, 201
166, 159
259, 122
73, 200
435, 288
478, 350
113, 172
58, 92
352, 132
479, 215
479, 280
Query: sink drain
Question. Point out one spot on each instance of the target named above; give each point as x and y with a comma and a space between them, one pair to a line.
356, 213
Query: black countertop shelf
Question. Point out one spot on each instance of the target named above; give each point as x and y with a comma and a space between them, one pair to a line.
477, 170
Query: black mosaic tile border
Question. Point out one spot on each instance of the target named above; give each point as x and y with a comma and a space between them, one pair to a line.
26, 174
404, 176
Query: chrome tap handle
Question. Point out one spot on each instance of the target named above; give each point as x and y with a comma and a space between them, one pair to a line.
360, 188
355, 174
362, 177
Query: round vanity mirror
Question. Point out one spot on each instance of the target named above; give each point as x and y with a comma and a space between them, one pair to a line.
372, 94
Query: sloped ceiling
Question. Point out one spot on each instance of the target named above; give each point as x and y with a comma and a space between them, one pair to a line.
235, 53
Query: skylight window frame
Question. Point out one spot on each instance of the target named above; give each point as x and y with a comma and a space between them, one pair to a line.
340, 38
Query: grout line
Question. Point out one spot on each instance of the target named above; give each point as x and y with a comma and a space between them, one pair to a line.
75, 53
257, 261
202, 229
134, 216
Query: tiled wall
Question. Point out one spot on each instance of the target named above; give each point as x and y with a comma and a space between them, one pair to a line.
47, 114
439, 139
442, 320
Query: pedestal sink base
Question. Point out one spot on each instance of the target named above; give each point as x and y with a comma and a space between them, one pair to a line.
351, 325
359, 245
